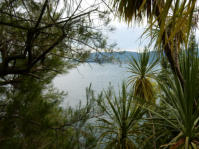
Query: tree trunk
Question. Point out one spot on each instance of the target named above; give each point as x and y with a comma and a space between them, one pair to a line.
174, 62
123, 139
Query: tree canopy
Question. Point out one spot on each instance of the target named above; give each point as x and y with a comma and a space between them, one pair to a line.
32, 32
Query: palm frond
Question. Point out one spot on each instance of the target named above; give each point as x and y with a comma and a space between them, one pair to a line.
182, 102
143, 71
122, 120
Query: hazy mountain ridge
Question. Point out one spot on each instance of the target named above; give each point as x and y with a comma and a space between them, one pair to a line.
123, 57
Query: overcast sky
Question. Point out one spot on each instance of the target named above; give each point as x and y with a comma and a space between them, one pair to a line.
127, 38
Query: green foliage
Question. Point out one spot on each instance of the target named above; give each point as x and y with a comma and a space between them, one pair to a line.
39, 40
169, 24
119, 125
143, 73
31, 117
181, 103
26, 118
32, 32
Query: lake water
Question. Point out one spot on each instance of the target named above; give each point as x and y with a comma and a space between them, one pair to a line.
100, 76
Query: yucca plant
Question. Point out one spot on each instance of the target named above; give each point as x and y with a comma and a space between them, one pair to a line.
120, 123
143, 71
182, 104
142, 79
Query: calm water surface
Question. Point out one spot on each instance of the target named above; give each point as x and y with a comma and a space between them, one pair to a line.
100, 76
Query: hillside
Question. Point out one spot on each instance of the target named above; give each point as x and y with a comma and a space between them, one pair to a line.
120, 57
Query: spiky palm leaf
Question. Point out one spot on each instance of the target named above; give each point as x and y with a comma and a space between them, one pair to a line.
143, 71
120, 123
182, 104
